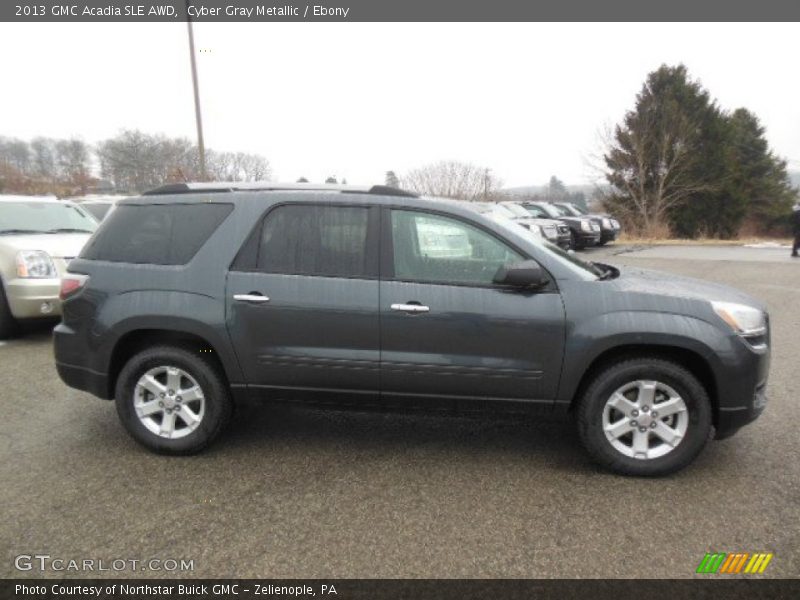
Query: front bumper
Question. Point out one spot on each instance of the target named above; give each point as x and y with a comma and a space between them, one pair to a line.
33, 298
586, 238
608, 235
742, 389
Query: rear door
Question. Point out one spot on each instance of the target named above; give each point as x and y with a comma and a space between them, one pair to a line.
302, 301
446, 330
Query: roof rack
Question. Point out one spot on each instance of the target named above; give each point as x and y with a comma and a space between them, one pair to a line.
269, 186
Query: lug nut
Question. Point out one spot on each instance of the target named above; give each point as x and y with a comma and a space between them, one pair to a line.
177, 408
179, 399
161, 395
655, 414
161, 404
642, 429
634, 423
634, 413
172, 392
653, 425
645, 408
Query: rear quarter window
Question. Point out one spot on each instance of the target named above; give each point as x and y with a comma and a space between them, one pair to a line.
157, 234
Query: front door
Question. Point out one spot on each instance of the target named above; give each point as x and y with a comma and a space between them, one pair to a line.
302, 301
446, 330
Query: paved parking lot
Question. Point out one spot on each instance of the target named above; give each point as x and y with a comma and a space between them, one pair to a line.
293, 492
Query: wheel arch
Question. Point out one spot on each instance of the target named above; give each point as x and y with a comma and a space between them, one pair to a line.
137, 340
691, 360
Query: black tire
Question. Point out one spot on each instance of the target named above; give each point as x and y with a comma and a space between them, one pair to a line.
573, 241
207, 374
604, 384
8, 325
602, 242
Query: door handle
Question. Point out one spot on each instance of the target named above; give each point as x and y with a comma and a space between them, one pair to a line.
411, 308
252, 298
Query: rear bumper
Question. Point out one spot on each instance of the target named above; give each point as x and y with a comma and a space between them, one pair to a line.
33, 298
72, 356
84, 379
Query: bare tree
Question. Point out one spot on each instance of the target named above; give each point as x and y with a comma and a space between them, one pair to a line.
453, 179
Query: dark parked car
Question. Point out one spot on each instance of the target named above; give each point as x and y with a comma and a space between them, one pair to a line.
609, 226
198, 295
583, 230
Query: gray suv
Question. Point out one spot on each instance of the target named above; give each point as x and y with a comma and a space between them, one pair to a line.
195, 296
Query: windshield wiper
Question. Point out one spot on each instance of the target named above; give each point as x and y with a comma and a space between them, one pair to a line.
68, 230
4, 231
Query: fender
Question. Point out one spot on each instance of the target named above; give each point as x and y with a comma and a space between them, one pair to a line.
182, 312
590, 338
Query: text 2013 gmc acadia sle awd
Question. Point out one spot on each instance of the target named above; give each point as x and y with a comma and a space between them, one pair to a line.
195, 295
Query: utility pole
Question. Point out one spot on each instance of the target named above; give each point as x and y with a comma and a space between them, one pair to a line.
198, 117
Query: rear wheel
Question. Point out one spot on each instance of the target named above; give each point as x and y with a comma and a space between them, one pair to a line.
644, 417
172, 400
8, 324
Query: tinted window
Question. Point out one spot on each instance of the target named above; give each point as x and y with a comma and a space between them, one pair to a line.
158, 234
439, 249
315, 240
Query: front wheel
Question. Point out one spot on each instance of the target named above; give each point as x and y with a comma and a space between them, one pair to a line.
172, 400
644, 417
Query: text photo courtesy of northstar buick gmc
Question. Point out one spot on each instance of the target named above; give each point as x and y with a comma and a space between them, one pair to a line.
194, 296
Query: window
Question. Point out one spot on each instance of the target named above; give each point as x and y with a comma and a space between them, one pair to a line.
44, 217
157, 234
439, 249
536, 212
303, 239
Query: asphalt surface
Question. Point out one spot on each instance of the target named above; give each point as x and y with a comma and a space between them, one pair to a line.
296, 492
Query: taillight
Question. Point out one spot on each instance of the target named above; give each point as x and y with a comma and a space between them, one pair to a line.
71, 284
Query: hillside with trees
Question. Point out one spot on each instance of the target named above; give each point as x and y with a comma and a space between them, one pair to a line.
132, 161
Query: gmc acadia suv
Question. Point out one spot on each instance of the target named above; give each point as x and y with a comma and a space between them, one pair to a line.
194, 296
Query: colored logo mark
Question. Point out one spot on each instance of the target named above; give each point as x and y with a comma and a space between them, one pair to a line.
734, 562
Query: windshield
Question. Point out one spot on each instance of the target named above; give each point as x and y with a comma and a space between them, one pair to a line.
549, 209
516, 210
44, 217
571, 261
572, 209
560, 211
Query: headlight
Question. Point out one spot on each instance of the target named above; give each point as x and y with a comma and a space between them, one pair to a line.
35, 264
586, 226
744, 320
606, 224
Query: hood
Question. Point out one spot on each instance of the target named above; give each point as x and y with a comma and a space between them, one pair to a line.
546, 222
646, 281
57, 245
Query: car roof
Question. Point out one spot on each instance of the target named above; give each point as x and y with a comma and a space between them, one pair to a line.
235, 192
272, 186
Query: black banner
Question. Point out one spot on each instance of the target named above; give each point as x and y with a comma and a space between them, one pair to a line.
397, 10
411, 589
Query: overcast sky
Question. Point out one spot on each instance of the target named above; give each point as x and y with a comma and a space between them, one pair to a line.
355, 100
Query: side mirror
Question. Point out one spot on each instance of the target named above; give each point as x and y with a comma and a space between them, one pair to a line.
523, 275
